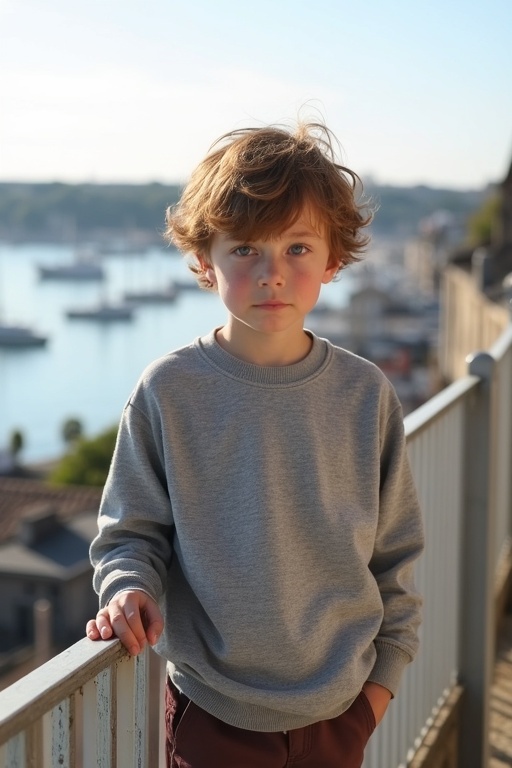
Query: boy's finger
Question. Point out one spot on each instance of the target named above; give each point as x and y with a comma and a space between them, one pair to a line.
123, 631
153, 621
154, 630
103, 625
91, 630
132, 615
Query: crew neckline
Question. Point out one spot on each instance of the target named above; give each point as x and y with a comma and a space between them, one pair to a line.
274, 375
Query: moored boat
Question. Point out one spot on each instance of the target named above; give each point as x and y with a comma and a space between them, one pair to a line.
84, 267
103, 312
155, 296
19, 336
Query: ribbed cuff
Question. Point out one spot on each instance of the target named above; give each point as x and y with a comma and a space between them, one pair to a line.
389, 666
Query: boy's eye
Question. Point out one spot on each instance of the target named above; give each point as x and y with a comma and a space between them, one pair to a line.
243, 250
297, 249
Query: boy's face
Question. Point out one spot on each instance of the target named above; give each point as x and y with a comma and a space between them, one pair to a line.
269, 286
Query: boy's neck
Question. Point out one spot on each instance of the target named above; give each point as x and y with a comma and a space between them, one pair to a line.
273, 349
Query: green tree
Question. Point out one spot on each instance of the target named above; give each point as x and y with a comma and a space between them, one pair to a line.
484, 220
88, 461
72, 430
16, 443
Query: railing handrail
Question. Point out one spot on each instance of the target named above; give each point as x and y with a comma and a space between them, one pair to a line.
35, 694
502, 343
426, 414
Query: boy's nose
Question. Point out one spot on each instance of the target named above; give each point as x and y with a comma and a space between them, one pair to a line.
270, 273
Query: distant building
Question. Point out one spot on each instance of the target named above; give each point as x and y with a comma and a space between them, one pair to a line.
45, 534
391, 323
7, 463
500, 251
426, 255
491, 263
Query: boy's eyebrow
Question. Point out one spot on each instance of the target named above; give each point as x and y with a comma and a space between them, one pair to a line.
293, 234
302, 233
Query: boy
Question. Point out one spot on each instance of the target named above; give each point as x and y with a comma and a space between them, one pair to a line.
259, 520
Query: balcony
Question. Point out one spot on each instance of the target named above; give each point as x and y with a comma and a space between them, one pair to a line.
94, 706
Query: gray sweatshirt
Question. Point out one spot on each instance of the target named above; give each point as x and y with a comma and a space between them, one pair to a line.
272, 514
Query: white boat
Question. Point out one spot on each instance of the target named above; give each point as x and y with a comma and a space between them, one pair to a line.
84, 267
103, 312
154, 296
19, 336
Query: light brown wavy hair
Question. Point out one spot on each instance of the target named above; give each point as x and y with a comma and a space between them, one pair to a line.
256, 182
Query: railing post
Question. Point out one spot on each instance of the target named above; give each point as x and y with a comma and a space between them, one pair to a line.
477, 625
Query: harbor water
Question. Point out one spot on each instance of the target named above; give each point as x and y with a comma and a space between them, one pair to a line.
87, 369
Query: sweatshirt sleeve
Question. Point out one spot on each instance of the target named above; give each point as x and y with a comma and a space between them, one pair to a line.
133, 547
399, 542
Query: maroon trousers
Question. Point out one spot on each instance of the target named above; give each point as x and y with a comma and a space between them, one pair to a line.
196, 739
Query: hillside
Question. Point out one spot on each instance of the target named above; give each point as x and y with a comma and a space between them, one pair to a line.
400, 209
58, 212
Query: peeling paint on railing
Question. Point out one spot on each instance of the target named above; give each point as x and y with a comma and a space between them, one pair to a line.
93, 695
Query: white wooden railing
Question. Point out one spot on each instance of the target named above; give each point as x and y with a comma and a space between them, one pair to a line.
460, 447
93, 706
469, 321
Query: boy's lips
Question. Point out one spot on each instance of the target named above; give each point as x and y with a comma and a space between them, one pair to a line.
271, 304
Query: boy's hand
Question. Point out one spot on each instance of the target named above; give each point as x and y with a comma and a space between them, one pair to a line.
379, 698
132, 616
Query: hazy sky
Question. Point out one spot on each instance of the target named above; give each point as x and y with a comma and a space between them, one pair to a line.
137, 90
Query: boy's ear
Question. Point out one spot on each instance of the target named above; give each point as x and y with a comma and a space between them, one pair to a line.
206, 268
329, 273
210, 274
